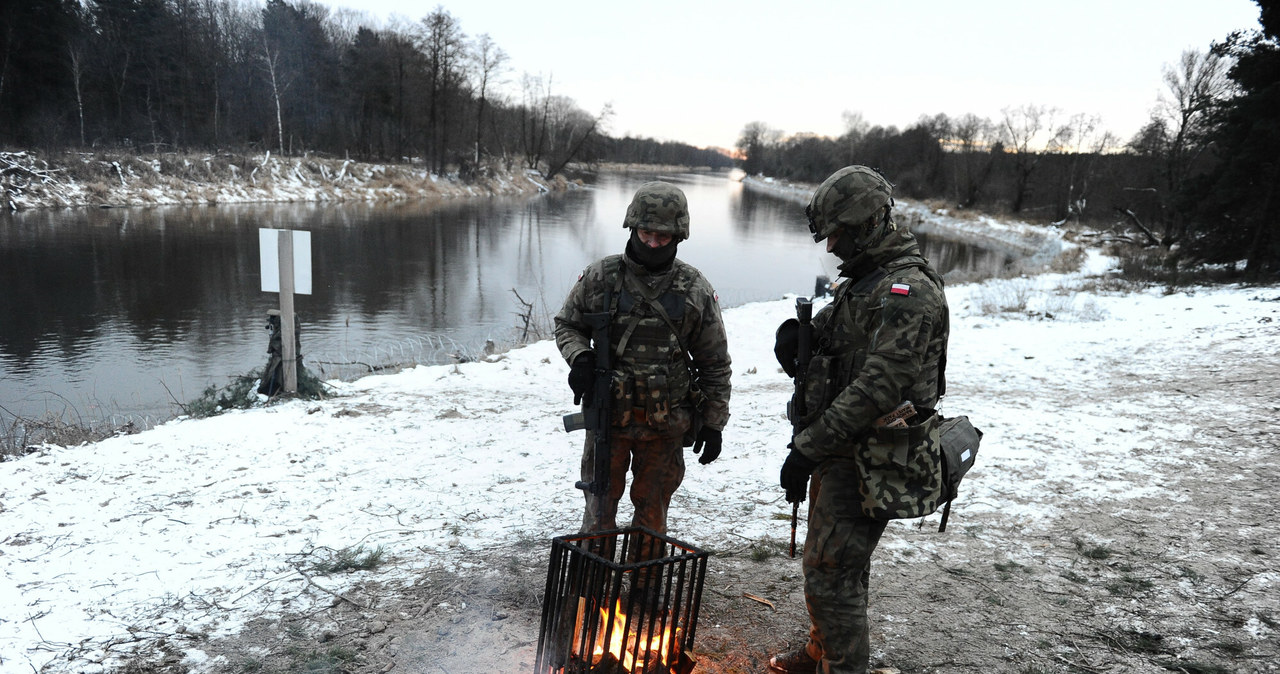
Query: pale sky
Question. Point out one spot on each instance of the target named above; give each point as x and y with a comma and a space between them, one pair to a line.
698, 71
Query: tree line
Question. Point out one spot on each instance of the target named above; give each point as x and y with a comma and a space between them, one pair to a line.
288, 77
1199, 183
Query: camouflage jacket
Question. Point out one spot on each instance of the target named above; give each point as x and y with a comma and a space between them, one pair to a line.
651, 371
880, 342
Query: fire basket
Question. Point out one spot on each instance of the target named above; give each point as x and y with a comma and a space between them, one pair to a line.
620, 601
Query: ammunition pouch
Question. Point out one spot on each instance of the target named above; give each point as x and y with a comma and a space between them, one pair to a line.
653, 401
900, 469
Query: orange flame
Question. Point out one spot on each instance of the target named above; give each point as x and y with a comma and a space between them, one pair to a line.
625, 644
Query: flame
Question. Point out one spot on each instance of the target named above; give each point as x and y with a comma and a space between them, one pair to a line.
624, 644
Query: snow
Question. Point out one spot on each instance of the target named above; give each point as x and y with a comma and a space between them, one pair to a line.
205, 525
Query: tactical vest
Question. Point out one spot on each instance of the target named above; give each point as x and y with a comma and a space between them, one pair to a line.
898, 469
651, 380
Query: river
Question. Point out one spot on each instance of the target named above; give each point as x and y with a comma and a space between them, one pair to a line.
115, 315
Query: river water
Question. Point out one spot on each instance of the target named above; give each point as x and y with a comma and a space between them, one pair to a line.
109, 315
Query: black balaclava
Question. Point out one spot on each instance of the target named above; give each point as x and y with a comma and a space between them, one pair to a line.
653, 259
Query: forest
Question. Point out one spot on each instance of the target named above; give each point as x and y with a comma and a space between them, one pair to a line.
1198, 184
287, 77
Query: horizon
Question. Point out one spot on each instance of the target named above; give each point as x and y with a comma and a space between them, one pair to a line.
698, 74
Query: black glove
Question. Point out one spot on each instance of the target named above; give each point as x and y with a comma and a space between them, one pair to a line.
795, 475
709, 438
786, 344
582, 376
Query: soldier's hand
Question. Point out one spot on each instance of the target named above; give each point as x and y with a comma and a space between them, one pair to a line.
709, 440
582, 376
795, 475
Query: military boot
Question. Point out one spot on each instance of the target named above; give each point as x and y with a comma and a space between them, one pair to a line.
799, 661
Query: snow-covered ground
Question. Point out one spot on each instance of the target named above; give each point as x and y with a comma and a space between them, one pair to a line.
199, 526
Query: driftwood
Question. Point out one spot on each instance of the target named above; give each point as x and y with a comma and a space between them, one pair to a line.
1134, 220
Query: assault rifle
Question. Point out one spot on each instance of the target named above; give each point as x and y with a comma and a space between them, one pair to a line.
594, 416
804, 352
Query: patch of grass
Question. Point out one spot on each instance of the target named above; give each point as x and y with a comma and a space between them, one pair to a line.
1005, 570
1090, 551
336, 660
20, 436
1192, 667
1142, 642
349, 559
768, 548
1128, 586
1155, 266
1000, 297
242, 393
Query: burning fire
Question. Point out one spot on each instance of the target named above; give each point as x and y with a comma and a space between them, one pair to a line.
627, 645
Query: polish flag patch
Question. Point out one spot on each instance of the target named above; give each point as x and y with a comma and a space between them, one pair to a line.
900, 289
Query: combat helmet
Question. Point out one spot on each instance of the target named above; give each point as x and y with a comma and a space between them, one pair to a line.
848, 198
659, 207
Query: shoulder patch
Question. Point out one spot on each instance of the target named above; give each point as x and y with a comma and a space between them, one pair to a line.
900, 289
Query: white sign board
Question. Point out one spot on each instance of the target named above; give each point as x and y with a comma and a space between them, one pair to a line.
269, 260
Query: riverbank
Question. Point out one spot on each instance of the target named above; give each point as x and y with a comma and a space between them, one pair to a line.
72, 180
1035, 249
1117, 518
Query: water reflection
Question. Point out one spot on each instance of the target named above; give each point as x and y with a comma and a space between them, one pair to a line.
125, 311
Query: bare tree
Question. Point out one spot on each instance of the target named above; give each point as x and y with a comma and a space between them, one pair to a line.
443, 44
974, 140
77, 75
1024, 129
488, 62
271, 64
1083, 141
753, 143
1176, 136
571, 129
534, 114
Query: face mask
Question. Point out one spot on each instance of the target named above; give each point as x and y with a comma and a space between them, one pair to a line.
652, 259
846, 247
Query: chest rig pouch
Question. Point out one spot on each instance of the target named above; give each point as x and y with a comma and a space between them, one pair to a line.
652, 378
840, 347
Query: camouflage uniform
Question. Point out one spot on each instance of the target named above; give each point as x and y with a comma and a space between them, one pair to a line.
654, 391
879, 342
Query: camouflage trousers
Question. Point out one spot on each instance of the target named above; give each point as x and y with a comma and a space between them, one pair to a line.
837, 569
657, 468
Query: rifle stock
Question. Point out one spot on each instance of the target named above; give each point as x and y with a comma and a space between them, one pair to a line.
596, 408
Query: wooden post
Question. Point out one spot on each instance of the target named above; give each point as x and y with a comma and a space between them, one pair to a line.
288, 350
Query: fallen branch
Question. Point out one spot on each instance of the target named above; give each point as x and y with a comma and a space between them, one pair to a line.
326, 590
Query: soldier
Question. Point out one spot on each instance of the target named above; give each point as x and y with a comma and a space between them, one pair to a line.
881, 341
670, 359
